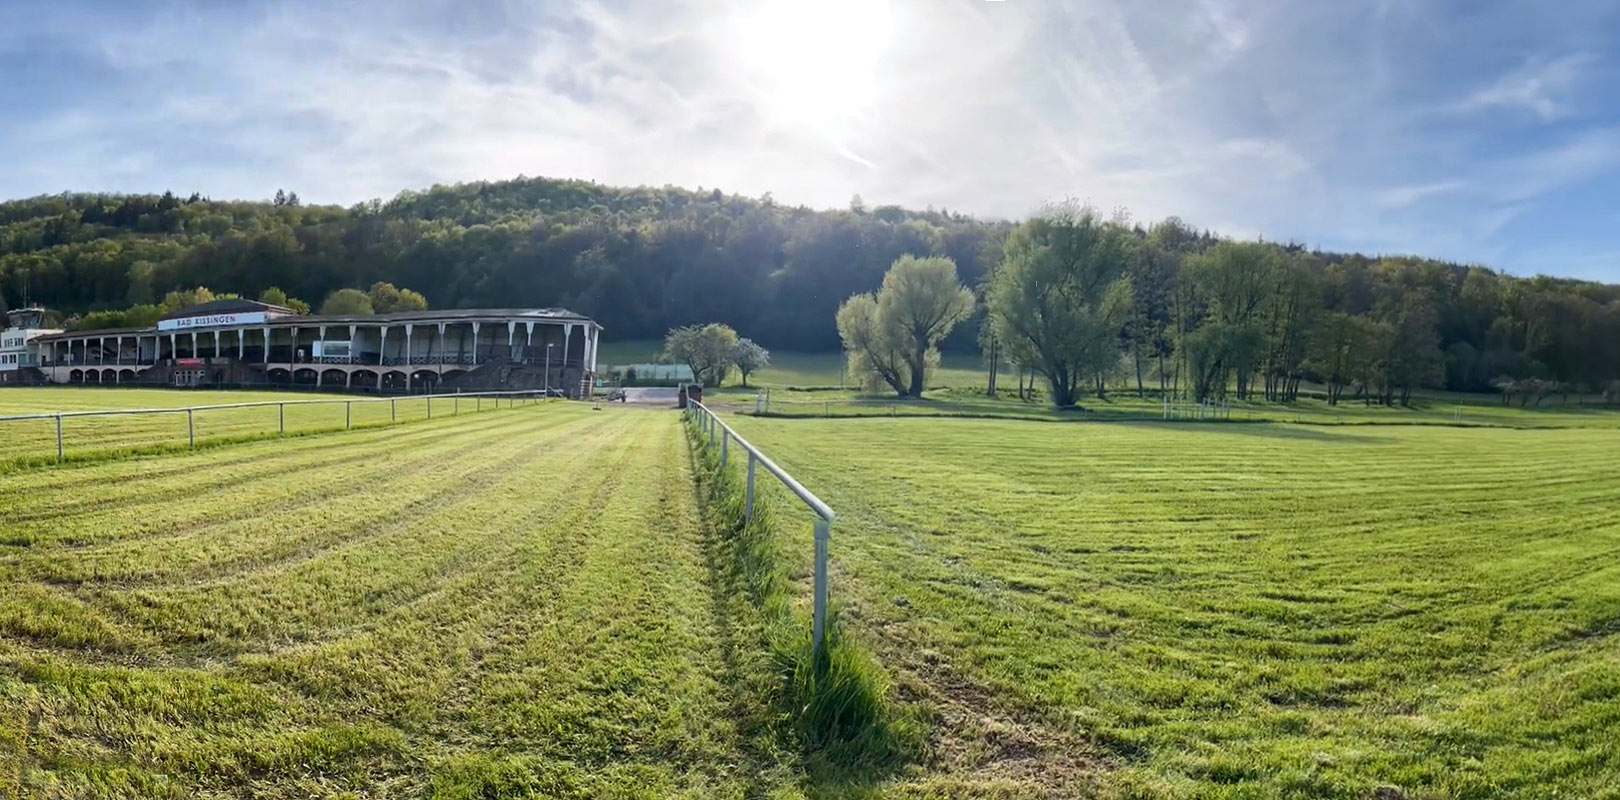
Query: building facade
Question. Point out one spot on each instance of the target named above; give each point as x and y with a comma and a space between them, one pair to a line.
241, 342
18, 357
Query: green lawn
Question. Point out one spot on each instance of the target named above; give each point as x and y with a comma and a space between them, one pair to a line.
1172, 610
801, 370
34, 440
516, 604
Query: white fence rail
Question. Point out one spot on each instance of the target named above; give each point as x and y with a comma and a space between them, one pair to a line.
477, 401
711, 426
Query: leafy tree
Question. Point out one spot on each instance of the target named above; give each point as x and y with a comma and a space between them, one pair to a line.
1232, 282
748, 357
385, 299
185, 298
921, 301
708, 350
873, 350
140, 275
1333, 351
276, 297
347, 302
1061, 295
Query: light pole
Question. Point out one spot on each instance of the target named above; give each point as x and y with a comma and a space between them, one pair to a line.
548, 369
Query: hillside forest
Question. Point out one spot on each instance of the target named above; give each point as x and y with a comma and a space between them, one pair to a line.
645, 260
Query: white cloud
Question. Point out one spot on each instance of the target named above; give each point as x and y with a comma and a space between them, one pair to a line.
1539, 86
1404, 196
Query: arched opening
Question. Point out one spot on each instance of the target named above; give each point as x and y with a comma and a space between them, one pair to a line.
424, 381
332, 377
393, 381
279, 375
126, 375
304, 376
363, 379
109, 376
76, 376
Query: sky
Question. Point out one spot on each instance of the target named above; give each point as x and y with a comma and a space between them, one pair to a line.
1478, 132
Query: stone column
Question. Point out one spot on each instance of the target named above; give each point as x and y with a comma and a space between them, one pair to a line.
475, 344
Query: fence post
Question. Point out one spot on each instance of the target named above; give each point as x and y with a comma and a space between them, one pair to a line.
392, 416
725, 441
348, 414
818, 625
58, 437
478, 403
281, 418
191, 431
455, 407
430, 406
748, 503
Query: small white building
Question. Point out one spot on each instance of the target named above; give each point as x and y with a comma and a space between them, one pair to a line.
17, 353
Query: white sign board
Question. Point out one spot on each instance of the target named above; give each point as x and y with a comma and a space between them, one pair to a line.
212, 321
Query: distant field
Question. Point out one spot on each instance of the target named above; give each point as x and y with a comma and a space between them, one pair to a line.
36, 439
515, 605
800, 382
1168, 611
797, 369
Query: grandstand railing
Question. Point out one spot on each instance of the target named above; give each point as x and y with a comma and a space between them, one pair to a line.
711, 426
456, 401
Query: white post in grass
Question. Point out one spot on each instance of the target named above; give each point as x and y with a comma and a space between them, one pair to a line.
281, 417
191, 431
58, 437
748, 503
818, 623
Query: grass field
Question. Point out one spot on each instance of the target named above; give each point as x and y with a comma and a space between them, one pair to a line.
35, 440
808, 384
805, 370
1153, 610
519, 604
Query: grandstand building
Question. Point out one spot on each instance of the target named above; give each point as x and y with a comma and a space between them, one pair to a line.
241, 342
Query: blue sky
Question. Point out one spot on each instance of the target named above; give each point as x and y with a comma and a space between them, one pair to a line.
1484, 132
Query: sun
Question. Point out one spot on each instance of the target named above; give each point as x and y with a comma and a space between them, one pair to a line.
813, 63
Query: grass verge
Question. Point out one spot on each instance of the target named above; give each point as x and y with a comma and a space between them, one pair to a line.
837, 705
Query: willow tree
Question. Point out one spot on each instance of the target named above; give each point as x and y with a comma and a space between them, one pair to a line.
1060, 296
893, 336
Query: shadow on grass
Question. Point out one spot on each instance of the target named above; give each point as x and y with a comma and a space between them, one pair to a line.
1271, 430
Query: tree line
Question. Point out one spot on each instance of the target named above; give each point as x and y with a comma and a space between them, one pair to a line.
1084, 302
1206, 315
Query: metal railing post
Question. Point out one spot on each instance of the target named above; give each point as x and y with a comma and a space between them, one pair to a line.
748, 503
58, 437
818, 623
430, 406
281, 418
348, 415
455, 408
191, 431
725, 441
393, 406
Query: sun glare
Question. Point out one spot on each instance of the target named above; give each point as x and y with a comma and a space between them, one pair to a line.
813, 63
